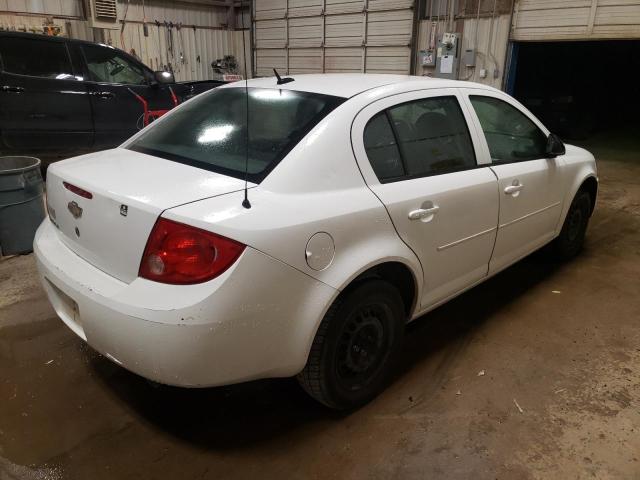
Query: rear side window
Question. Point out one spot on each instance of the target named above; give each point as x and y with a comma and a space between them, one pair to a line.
382, 149
36, 58
210, 131
420, 138
510, 134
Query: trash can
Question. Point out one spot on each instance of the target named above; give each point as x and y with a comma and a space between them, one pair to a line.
21, 204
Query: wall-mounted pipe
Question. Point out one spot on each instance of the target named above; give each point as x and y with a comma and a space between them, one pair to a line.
182, 25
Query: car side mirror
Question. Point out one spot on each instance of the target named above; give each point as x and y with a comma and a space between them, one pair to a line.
555, 147
164, 78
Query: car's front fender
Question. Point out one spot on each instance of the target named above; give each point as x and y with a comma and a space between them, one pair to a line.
578, 166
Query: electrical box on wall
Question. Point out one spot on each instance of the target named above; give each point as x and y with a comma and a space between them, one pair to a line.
447, 58
427, 58
469, 58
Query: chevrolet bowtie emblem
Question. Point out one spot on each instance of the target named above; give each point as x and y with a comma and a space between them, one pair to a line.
75, 209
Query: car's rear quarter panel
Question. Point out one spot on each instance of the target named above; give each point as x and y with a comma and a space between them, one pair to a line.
317, 187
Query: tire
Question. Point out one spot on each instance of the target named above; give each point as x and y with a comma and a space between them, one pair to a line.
355, 347
571, 238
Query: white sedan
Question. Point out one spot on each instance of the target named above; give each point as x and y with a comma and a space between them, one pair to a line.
372, 199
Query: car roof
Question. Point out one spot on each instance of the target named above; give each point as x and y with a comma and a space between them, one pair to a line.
348, 85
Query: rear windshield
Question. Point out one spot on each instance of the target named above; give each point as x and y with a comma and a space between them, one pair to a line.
211, 131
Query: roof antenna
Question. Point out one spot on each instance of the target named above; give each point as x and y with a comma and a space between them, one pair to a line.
282, 81
245, 203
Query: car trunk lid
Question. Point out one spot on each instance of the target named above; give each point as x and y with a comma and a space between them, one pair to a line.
128, 190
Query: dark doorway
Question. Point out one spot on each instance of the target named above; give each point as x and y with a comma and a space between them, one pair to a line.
580, 88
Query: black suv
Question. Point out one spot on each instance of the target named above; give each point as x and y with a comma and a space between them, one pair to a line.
61, 95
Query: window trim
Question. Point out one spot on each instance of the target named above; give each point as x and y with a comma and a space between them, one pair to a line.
469, 92
394, 132
386, 110
65, 45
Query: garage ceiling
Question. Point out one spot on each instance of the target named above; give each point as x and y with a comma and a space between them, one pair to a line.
545, 20
317, 36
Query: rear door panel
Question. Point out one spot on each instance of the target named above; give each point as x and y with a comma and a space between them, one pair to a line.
454, 245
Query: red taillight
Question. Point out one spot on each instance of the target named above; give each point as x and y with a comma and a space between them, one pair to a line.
77, 190
180, 254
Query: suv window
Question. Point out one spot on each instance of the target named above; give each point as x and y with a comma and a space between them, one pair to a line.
510, 134
210, 131
108, 65
36, 58
430, 136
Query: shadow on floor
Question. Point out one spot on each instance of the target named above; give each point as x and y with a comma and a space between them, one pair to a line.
249, 413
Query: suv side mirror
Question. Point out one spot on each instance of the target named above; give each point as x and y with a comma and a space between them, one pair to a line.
164, 78
555, 147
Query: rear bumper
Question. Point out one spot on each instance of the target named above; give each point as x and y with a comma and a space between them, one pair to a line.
257, 320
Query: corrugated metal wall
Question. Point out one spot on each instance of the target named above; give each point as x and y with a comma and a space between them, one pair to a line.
200, 41
34, 23
199, 47
192, 14
70, 8
314, 36
208, 41
544, 20
490, 46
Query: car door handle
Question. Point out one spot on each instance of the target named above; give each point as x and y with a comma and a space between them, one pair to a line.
513, 189
12, 89
423, 212
105, 95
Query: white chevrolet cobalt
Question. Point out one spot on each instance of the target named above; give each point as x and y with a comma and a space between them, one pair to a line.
372, 199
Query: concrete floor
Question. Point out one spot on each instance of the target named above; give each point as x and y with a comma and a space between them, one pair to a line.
563, 341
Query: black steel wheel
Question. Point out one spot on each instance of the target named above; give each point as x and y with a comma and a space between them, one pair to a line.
571, 238
355, 347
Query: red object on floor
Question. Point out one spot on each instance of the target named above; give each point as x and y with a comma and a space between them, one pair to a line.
151, 115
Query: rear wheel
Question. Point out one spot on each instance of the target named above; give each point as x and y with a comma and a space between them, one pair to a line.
355, 347
571, 238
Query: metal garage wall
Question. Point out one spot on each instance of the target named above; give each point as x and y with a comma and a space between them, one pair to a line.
543, 20
202, 39
30, 15
69, 8
316, 36
487, 36
191, 14
201, 47
208, 41
33, 23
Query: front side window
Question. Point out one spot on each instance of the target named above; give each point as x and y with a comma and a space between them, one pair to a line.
36, 58
210, 131
420, 138
109, 66
510, 134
